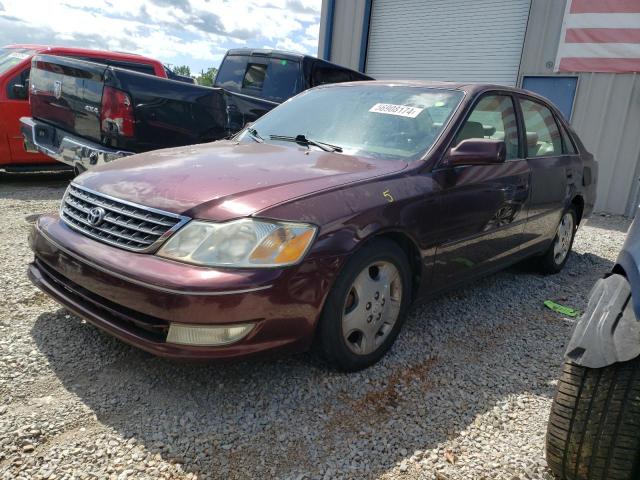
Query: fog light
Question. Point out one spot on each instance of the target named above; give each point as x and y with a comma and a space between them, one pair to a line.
206, 335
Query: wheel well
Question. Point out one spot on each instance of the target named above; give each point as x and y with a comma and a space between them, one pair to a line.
578, 203
617, 269
413, 255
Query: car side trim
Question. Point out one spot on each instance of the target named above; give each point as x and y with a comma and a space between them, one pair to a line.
145, 284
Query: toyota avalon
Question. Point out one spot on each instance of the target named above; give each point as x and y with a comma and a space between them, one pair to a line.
320, 223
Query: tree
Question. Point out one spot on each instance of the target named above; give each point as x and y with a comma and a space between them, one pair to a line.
182, 70
207, 78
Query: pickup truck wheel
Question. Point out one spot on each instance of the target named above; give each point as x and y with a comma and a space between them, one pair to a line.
364, 311
594, 427
553, 260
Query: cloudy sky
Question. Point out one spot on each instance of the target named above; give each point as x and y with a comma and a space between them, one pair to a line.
191, 32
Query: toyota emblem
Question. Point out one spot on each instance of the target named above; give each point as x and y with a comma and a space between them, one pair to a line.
95, 216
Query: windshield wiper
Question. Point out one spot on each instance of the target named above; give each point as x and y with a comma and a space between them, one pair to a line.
253, 133
302, 140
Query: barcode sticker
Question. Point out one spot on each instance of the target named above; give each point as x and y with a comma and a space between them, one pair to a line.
399, 110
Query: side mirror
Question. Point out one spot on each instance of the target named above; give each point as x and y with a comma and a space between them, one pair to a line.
477, 151
20, 91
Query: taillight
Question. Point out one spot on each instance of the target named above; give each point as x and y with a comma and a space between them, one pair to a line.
116, 116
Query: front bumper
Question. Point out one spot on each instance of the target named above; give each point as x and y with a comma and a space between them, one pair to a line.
65, 147
136, 296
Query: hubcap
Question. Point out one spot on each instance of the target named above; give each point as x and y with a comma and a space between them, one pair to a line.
372, 307
562, 243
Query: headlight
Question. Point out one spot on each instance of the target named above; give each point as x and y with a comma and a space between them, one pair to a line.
241, 243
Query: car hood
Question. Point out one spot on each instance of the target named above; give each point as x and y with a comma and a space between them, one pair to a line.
225, 179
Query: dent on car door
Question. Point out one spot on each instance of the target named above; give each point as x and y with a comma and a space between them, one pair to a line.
484, 205
551, 172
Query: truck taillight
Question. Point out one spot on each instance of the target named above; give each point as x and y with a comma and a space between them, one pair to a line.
116, 116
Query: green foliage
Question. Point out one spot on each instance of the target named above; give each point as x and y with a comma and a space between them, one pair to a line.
207, 78
182, 70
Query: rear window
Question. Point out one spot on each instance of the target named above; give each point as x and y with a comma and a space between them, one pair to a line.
136, 67
274, 79
10, 57
254, 76
569, 148
323, 74
232, 72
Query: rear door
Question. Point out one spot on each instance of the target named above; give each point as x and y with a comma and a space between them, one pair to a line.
484, 205
551, 171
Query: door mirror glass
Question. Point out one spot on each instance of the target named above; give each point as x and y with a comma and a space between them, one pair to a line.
20, 91
477, 151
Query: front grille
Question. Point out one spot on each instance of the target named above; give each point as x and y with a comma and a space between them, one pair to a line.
122, 224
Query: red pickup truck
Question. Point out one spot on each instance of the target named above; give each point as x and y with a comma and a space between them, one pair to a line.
15, 65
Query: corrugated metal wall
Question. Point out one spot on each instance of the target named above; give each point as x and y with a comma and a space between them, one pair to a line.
607, 107
484, 46
348, 18
606, 112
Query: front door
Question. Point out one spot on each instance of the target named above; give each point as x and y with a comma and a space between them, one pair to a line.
484, 205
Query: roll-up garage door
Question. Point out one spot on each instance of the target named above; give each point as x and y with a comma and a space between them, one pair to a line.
454, 40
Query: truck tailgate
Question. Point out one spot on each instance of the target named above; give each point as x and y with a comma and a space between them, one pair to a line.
68, 94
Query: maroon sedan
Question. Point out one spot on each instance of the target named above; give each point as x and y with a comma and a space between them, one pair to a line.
322, 222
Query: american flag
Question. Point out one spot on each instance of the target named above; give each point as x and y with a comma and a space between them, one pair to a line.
600, 36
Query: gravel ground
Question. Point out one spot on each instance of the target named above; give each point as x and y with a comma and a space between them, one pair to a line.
464, 394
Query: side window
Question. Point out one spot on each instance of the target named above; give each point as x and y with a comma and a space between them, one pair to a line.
493, 117
323, 74
569, 147
283, 80
20, 79
254, 76
543, 136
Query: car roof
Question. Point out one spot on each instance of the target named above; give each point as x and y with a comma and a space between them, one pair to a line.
48, 49
467, 87
266, 52
285, 54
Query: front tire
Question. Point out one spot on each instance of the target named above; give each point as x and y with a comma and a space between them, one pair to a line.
594, 427
365, 309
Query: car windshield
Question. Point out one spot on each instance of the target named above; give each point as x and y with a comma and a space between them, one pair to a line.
388, 122
10, 57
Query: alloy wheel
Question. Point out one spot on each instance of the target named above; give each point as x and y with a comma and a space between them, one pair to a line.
564, 235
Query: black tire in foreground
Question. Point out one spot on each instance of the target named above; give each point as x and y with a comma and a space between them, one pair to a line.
594, 427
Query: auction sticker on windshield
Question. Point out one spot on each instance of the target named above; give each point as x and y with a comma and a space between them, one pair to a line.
400, 110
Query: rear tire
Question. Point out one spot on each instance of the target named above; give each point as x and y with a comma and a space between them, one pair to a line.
594, 427
551, 262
